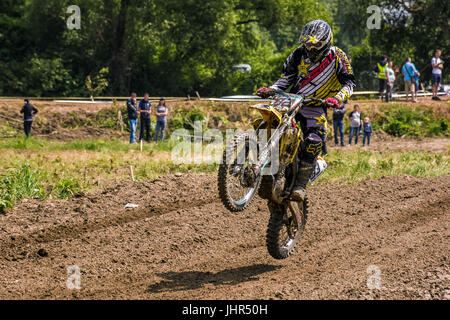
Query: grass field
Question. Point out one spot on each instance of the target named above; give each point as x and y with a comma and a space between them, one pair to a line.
37, 168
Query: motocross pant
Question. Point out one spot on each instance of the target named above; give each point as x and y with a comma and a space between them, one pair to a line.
313, 123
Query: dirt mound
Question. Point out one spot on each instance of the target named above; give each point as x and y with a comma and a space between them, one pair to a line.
68, 121
180, 243
61, 121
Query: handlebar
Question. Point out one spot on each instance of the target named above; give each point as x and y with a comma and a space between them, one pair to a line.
295, 96
290, 95
315, 99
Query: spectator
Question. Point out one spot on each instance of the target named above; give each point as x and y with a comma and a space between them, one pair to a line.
436, 73
367, 130
29, 111
409, 70
145, 111
355, 124
161, 118
416, 85
380, 68
132, 110
338, 124
390, 77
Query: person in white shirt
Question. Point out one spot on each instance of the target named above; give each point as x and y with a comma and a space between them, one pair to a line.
436, 73
390, 76
355, 124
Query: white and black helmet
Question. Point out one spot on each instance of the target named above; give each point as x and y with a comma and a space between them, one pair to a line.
316, 37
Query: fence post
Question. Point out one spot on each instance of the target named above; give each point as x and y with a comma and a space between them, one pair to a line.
119, 117
132, 173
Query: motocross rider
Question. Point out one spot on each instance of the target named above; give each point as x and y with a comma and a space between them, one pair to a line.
316, 69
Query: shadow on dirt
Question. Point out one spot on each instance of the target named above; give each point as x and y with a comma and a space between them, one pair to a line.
192, 280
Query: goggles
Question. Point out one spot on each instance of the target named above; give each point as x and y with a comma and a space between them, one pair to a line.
311, 42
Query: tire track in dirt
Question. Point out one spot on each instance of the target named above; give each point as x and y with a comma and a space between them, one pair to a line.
87, 218
308, 274
198, 250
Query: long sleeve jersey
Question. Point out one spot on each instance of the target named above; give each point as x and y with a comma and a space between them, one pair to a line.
331, 76
28, 111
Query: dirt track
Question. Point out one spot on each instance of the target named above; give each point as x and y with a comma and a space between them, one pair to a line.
182, 244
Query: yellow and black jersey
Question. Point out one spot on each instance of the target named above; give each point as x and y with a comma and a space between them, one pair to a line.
331, 76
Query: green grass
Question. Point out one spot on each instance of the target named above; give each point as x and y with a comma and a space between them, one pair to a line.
41, 169
114, 145
18, 183
355, 166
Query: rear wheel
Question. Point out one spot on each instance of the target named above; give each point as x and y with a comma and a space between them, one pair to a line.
285, 229
237, 182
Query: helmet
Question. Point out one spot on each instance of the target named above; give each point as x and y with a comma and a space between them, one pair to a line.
316, 37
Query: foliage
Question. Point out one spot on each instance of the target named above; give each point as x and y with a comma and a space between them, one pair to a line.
419, 121
169, 47
19, 183
408, 28
185, 119
97, 85
66, 188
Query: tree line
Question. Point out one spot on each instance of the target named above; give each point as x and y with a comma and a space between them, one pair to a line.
177, 47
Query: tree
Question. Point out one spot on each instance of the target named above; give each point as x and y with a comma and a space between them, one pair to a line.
170, 47
98, 84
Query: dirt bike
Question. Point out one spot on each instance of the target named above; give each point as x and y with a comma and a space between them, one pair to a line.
240, 173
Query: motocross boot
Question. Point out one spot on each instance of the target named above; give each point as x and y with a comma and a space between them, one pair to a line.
305, 171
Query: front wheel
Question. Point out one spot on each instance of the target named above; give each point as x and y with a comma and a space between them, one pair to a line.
237, 182
286, 225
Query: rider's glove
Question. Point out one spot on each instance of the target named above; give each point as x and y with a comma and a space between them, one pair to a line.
265, 92
332, 103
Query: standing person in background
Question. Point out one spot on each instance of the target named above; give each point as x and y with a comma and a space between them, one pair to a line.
409, 70
416, 85
367, 130
29, 111
132, 111
145, 110
380, 68
390, 77
436, 73
338, 124
355, 124
161, 118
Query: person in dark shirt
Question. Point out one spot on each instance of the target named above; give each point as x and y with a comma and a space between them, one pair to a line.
338, 124
29, 111
367, 128
145, 111
132, 111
